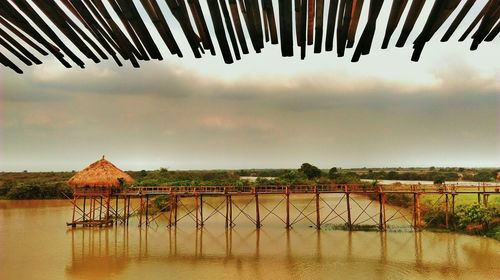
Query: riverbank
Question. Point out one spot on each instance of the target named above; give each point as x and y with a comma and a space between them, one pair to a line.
469, 217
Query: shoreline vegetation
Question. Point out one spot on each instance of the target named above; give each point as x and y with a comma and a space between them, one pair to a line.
469, 217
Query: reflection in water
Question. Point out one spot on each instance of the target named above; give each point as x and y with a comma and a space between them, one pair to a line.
295, 253
35, 244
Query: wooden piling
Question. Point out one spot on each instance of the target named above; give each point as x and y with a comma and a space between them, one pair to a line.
171, 210
227, 211
453, 209
116, 210
100, 208
257, 212
446, 216
349, 223
140, 211
176, 208
147, 210
287, 194
201, 210
196, 207
382, 221
230, 211
318, 218
84, 212
416, 211
128, 209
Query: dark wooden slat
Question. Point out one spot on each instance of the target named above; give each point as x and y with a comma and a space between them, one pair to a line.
233, 5
397, 9
127, 49
318, 40
440, 11
201, 25
310, 21
19, 34
411, 18
60, 20
81, 12
15, 52
303, 29
271, 20
255, 19
179, 11
366, 39
456, 22
494, 33
353, 27
297, 9
7, 63
19, 47
491, 16
345, 13
33, 15
230, 29
156, 16
220, 34
475, 22
286, 27
330, 26
132, 16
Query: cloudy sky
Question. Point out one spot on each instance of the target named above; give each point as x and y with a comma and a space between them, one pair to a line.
264, 111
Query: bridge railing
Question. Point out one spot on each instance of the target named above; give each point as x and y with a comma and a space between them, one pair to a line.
308, 188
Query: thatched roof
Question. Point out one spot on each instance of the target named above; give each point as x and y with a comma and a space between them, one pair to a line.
101, 173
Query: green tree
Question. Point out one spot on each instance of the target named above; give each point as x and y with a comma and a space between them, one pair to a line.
332, 173
310, 171
483, 176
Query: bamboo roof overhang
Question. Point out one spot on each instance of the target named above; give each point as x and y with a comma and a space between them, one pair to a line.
116, 29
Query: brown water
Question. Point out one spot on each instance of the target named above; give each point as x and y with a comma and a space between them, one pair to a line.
36, 244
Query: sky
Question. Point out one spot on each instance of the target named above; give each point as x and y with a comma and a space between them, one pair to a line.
264, 111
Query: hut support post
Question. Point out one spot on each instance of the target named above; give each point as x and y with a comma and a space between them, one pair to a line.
257, 212
74, 210
116, 209
287, 194
108, 202
100, 208
84, 210
318, 218
349, 223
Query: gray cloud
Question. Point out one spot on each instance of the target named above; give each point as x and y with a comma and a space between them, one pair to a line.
166, 115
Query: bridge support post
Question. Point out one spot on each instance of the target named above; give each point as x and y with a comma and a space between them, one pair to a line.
257, 212
230, 211
349, 223
446, 211
196, 207
453, 209
227, 210
287, 194
382, 221
416, 211
478, 195
171, 210
141, 210
116, 210
318, 218
147, 210
201, 211
128, 209
176, 207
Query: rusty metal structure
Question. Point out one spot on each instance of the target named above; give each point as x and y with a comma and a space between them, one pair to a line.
121, 29
232, 203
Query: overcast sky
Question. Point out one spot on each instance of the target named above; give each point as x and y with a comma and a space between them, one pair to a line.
264, 111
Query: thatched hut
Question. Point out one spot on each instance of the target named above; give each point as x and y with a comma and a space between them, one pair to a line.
101, 173
97, 183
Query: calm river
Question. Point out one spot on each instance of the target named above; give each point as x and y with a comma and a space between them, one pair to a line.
36, 244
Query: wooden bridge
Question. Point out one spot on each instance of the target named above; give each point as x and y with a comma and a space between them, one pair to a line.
100, 30
232, 204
